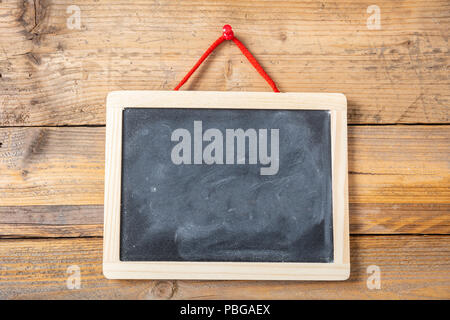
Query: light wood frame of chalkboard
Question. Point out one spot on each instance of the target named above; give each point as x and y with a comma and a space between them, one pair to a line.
113, 268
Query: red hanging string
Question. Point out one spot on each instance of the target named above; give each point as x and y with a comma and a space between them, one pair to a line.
229, 35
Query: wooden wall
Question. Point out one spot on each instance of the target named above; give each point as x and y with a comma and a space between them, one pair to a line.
53, 86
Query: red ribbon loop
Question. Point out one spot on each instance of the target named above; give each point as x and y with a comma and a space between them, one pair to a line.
228, 34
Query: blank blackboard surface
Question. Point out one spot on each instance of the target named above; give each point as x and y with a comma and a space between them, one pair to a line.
223, 212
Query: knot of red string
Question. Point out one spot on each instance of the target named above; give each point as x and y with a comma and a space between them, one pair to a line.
228, 34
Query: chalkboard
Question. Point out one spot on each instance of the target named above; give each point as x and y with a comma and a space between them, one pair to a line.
225, 184
226, 212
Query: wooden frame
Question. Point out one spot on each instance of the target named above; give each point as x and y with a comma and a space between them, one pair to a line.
113, 268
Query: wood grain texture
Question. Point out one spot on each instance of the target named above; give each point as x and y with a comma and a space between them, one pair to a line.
53, 178
412, 267
52, 75
51, 221
52, 166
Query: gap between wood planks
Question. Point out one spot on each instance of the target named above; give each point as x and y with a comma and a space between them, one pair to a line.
349, 125
352, 235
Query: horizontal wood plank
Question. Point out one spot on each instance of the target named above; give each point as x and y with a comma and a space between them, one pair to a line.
51, 181
51, 221
53, 75
411, 267
87, 220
